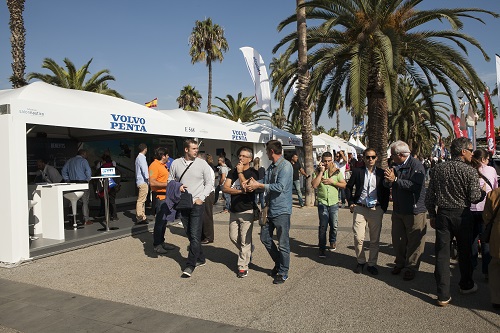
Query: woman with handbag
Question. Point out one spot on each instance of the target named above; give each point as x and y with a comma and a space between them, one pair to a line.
491, 219
488, 182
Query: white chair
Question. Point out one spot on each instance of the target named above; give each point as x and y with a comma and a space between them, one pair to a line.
73, 197
31, 203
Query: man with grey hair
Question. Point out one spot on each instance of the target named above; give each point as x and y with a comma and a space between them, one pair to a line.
409, 225
454, 185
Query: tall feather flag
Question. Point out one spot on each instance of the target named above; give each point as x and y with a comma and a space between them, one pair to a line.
497, 57
258, 72
490, 124
152, 104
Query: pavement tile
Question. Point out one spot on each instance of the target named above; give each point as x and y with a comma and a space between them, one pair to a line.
71, 323
25, 317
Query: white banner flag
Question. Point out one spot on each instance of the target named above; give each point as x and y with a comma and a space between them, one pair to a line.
258, 72
497, 57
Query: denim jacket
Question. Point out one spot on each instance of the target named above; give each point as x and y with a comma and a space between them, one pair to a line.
278, 187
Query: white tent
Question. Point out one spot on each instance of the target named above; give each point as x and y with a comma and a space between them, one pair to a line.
265, 132
50, 109
204, 125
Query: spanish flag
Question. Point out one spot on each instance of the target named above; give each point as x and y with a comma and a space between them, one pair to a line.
152, 104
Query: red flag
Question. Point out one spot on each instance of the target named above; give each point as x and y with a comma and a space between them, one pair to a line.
490, 124
455, 121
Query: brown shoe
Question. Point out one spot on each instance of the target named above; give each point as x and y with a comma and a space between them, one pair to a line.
396, 270
88, 222
409, 275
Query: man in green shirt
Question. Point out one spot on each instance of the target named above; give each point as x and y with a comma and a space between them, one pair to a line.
328, 180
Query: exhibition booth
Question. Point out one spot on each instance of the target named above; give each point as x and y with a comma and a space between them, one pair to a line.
43, 120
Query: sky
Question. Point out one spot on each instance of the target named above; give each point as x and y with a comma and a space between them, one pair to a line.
145, 44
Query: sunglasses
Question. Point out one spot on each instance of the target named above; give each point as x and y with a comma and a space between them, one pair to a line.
370, 157
471, 150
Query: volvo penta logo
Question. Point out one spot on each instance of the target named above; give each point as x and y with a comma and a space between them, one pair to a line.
238, 135
128, 123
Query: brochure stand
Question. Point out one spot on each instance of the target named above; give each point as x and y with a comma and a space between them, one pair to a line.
104, 180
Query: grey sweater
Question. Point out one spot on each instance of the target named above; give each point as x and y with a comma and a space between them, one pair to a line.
198, 179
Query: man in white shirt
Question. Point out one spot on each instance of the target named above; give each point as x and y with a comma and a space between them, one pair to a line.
47, 173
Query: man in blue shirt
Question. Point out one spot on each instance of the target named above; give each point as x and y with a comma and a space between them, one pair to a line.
278, 196
77, 170
142, 181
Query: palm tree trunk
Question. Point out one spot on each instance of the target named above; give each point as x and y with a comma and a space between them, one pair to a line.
305, 111
18, 41
338, 120
377, 128
209, 102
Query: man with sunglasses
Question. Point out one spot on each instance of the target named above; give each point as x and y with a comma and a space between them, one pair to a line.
368, 203
453, 187
409, 224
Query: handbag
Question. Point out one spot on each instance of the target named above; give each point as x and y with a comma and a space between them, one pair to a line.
186, 200
263, 215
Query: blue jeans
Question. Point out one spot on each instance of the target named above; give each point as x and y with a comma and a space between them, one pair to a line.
342, 196
227, 198
328, 216
485, 247
160, 224
259, 198
192, 220
296, 186
280, 257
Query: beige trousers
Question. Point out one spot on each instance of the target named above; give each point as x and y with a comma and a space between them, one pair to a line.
363, 216
140, 212
240, 233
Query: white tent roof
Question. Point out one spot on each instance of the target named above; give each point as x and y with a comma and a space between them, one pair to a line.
44, 104
264, 132
210, 126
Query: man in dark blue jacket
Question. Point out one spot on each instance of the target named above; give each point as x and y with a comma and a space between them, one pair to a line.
368, 203
409, 224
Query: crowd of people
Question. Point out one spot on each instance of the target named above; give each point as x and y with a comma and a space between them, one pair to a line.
459, 197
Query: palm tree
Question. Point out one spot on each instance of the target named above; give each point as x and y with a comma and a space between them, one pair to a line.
332, 132
207, 44
338, 106
281, 70
303, 102
364, 45
189, 99
414, 121
344, 135
278, 118
319, 129
18, 41
75, 79
239, 109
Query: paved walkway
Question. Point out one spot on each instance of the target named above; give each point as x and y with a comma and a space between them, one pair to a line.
123, 286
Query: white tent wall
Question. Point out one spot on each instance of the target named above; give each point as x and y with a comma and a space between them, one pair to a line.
14, 240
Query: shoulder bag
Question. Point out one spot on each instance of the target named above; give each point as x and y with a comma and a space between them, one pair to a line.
186, 201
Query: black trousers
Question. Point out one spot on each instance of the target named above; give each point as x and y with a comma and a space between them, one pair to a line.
458, 223
208, 219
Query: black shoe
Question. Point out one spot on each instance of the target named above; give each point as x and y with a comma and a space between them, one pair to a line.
187, 272
372, 269
322, 254
280, 279
359, 268
206, 241
201, 263
274, 272
143, 222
